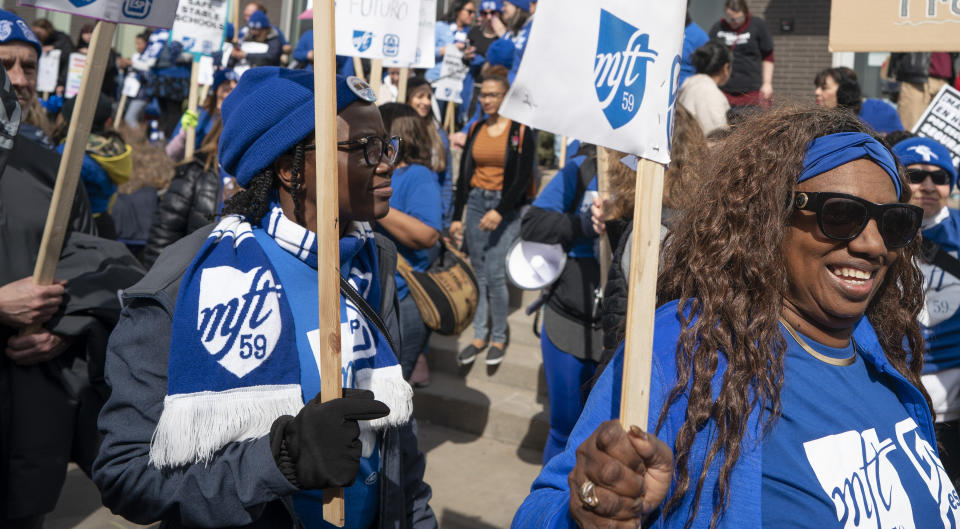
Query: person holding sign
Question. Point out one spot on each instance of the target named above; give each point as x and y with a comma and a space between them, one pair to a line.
223, 83
261, 46
932, 175
217, 423
781, 374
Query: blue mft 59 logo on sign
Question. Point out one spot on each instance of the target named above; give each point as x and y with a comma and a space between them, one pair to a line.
81, 3
620, 68
136, 8
391, 45
362, 40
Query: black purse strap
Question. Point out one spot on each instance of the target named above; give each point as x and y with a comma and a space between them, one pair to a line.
933, 253
367, 311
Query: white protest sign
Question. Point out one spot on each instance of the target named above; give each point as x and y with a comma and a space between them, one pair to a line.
48, 69
131, 85
426, 40
74, 74
378, 29
200, 25
254, 47
205, 77
941, 121
452, 73
152, 13
610, 80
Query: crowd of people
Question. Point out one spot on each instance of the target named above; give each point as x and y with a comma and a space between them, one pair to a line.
806, 354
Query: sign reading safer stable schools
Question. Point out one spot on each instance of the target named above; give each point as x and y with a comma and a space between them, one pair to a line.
152, 13
200, 25
611, 79
378, 29
895, 25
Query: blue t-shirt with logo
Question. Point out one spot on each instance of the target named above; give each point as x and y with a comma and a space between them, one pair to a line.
559, 194
940, 317
846, 453
416, 192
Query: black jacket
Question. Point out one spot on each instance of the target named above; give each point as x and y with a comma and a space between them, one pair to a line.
190, 203
517, 172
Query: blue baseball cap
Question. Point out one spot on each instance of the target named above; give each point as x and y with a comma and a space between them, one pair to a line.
491, 5
500, 53
14, 29
926, 151
258, 20
269, 112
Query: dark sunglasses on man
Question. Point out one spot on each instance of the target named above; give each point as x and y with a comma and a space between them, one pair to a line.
488, 13
843, 217
940, 177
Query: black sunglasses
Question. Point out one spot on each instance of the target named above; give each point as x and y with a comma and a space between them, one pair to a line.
375, 148
843, 217
939, 177
488, 13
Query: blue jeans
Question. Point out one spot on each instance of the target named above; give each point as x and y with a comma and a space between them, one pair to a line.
488, 254
567, 377
413, 335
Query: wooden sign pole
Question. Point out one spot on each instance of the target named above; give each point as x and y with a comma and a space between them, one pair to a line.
235, 15
358, 68
562, 162
121, 107
192, 107
376, 76
68, 174
642, 296
603, 189
449, 120
328, 224
402, 85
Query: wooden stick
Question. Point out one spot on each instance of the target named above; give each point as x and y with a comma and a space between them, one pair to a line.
450, 120
328, 224
192, 108
605, 253
120, 108
204, 92
562, 162
376, 76
358, 68
642, 296
402, 85
68, 174
235, 15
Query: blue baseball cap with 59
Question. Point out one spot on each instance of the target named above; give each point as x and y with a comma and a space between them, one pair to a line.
14, 29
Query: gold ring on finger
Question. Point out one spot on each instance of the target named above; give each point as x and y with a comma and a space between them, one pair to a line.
588, 495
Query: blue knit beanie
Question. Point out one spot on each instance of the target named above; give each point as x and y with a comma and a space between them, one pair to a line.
500, 53
14, 29
223, 75
258, 20
491, 5
926, 151
230, 31
269, 112
522, 4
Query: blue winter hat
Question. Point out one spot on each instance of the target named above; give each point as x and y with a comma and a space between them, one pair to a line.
491, 5
522, 4
269, 112
926, 151
14, 29
223, 75
258, 20
500, 53
230, 31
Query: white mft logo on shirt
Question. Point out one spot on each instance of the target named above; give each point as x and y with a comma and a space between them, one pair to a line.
731, 38
941, 292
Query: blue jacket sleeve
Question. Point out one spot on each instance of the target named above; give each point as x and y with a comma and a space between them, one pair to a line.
304, 46
229, 491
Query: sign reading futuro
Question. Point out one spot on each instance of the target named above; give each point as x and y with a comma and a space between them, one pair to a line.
619, 60
378, 29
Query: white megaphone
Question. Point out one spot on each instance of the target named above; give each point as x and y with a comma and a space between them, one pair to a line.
534, 265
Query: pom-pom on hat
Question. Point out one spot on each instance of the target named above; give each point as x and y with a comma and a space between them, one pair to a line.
14, 29
269, 112
500, 53
926, 151
258, 20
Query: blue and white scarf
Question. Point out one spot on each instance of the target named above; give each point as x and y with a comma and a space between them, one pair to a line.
234, 362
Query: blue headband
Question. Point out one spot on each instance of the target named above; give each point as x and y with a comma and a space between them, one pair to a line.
833, 150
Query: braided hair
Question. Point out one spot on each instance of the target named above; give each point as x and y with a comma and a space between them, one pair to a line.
253, 202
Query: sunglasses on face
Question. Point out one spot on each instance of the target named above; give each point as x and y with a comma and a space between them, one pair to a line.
939, 177
843, 217
470, 11
488, 13
375, 149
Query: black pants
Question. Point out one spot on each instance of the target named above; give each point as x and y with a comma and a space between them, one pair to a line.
948, 437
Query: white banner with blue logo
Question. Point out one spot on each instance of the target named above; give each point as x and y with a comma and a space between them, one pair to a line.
604, 72
152, 13
200, 26
378, 30
426, 43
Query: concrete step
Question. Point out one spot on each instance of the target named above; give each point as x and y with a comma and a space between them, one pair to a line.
485, 408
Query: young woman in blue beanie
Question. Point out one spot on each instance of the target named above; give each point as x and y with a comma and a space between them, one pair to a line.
783, 392
214, 419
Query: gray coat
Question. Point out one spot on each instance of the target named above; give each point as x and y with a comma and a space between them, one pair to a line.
242, 486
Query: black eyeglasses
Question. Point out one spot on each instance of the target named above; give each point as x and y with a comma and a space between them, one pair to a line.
375, 148
488, 13
843, 217
939, 177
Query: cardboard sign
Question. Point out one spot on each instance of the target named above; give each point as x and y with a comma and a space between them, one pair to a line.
895, 25
151, 13
941, 121
205, 77
378, 29
452, 73
426, 41
74, 74
611, 80
131, 85
200, 25
48, 70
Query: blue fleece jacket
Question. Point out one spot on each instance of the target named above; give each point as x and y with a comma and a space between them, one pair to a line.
547, 506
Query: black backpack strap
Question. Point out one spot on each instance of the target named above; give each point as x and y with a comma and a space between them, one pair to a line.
933, 253
367, 311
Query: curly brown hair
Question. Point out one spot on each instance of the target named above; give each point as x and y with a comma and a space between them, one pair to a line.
724, 263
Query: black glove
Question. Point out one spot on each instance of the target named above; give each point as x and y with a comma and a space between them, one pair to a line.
320, 447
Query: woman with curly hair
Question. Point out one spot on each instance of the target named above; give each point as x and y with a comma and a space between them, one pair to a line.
782, 393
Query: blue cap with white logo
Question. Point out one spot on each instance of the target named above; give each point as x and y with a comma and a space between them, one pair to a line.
491, 5
920, 150
258, 20
14, 29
